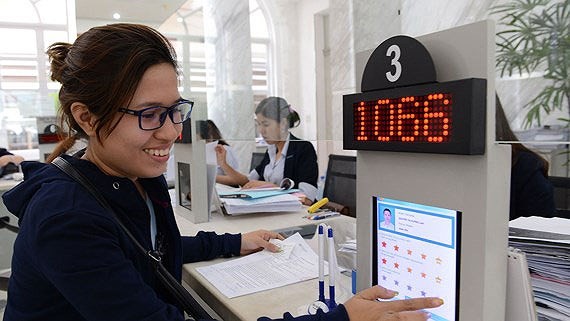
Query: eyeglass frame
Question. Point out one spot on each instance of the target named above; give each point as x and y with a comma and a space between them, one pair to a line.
162, 118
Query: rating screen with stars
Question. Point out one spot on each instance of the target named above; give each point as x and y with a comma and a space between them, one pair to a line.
417, 252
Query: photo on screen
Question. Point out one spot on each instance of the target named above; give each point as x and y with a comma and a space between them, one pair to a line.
416, 252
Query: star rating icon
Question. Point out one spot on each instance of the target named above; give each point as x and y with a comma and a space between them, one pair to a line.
423, 275
384, 261
396, 248
424, 256
396, 265
438, 260
384, 244
409, 252
410, 269
438, 280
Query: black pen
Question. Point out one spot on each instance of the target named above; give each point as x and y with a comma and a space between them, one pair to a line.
235, 196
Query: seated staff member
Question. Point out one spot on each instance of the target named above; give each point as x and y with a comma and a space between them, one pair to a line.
532, 194
287, 156
208, 131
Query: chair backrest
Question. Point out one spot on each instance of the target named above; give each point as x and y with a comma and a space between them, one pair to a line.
561, 194
256, 158
340, 182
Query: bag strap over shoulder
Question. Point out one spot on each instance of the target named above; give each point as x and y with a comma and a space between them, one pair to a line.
67, 168
184, 298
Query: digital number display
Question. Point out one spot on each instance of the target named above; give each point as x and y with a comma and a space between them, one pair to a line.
411, 119
444, 118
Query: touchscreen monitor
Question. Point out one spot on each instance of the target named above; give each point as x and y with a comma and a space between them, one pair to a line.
416, 252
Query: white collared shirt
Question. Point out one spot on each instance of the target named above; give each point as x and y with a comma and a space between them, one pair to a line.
275, 169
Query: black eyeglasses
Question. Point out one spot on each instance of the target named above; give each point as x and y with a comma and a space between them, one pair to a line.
154, 117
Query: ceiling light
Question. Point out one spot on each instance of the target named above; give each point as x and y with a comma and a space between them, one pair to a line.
116, 16
179, 19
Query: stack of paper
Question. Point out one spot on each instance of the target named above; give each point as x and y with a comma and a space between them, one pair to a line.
255, 193
546, 243
277, 203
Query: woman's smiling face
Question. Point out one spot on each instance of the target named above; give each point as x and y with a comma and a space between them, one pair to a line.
131, 152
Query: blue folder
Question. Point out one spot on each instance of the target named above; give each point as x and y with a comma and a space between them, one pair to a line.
253, 194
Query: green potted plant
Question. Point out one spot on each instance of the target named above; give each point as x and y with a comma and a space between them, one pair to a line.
534, 37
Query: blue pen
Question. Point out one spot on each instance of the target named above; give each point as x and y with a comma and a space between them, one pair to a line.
322, 262
324, 215
332, 269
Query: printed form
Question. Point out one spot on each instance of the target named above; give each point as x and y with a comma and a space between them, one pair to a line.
264, 270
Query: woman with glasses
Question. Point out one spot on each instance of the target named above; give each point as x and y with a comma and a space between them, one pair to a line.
72, 260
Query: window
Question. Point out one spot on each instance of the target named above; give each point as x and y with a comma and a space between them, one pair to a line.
25, 89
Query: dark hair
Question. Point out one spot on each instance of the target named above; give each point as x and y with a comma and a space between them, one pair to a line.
503, 132
277, 108
207, 129
102, 70
387, 209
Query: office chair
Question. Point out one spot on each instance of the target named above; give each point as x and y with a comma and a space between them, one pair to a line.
561, 195
5, 274
256, 158
340, 182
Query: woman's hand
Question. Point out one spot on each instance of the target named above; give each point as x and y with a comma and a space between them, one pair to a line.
258, 240
364, 307
220, 154
6, 159
258, 184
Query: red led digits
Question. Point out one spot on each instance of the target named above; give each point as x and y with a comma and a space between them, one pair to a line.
409, 119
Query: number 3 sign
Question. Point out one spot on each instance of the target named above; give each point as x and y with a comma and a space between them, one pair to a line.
398, 61
402, 107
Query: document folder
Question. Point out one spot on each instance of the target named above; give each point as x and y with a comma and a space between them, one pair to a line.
253, 194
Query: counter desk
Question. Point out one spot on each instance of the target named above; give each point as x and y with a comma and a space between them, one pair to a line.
273, 303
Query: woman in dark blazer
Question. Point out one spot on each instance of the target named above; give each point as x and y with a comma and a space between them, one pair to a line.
287, 156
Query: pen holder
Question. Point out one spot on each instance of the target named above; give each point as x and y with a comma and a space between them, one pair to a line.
330, 303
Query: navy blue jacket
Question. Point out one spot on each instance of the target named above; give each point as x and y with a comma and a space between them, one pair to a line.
73, 262
300, 163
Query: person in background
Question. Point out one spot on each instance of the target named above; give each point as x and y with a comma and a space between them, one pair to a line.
287, 156
71, 259
208, 131
532, 193
9, 162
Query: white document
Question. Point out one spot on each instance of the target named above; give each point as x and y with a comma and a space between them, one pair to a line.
264, 270
211, 153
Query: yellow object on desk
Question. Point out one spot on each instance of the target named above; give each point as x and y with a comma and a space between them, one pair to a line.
313, 208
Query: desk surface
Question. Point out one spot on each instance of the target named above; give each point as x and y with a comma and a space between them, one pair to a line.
272, 303
6, 184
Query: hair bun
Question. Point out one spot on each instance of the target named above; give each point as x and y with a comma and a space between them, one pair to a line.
57, 54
